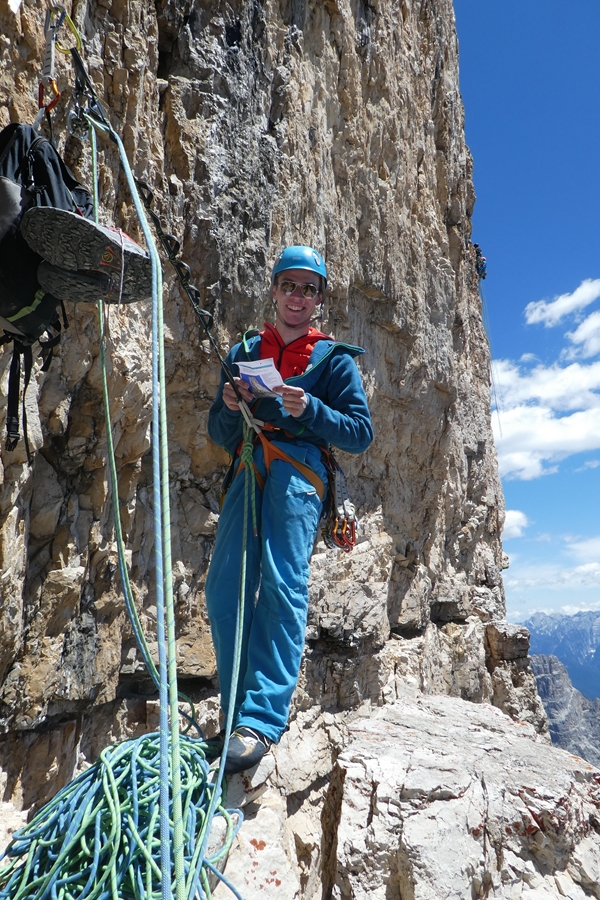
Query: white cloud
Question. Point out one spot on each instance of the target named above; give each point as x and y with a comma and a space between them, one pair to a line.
546, 413
558, 573
549, 412
568, 609
14, 5
571, 608
589, 464
534, 439
550, 313
554, 577
587, 335
586, 551
559, 387
514, 524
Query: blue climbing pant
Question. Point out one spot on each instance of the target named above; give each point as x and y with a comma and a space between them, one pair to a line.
277, 572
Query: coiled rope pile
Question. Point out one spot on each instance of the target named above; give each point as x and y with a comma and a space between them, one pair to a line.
99, 837
137, 823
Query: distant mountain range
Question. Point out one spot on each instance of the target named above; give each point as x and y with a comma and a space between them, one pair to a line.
573, 720
575, 641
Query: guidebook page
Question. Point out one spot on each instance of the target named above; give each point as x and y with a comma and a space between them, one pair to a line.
261, 376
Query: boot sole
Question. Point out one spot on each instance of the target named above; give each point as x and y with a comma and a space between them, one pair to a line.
81, 288
71, 242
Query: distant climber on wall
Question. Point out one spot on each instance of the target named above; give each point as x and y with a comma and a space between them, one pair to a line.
321, 401
480, 263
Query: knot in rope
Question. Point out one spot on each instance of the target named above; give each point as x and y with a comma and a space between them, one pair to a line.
247, 451
247, 460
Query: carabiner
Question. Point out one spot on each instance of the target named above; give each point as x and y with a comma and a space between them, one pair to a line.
50, 106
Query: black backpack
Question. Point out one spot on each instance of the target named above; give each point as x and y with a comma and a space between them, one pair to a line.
31, 174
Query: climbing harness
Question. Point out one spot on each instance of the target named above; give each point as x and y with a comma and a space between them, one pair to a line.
271, 452
340, 526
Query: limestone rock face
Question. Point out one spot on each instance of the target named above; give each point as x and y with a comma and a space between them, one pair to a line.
336, 123
427, 797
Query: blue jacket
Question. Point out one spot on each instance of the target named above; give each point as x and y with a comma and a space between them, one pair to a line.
337, 411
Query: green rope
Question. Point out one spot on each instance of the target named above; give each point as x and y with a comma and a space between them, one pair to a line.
247, 460
165, 536
112, 468
98, 838
249, 501
101, 836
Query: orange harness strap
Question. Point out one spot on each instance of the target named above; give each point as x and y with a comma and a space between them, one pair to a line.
272, 452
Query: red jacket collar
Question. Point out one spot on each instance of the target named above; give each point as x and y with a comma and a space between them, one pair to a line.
290, 359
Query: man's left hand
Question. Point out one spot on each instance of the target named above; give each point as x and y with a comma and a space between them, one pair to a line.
295, 399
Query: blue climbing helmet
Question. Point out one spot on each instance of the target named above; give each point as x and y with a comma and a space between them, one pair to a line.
300, 258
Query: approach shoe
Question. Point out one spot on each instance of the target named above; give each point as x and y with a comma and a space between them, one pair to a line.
213, 747
70, 241
86, 287
246, 749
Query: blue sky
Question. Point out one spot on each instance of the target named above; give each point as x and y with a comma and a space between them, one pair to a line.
531, 89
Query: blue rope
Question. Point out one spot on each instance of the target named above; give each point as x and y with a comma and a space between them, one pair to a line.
161, 486
165, 843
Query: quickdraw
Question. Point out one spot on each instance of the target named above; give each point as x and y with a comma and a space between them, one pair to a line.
341, 525
54, 20
56, 16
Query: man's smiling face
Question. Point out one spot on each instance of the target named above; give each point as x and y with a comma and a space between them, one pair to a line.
293, 307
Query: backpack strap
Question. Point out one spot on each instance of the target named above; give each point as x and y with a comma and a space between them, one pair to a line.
9, 144
27, 173
14, 389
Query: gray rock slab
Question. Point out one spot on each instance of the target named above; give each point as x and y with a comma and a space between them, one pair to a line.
430, 797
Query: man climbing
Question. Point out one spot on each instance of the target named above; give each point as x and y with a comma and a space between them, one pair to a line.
321, 402
480, 263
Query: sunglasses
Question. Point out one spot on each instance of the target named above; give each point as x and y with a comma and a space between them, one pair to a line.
306, 288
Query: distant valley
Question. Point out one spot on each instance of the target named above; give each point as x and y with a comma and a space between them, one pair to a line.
575, 641
573, 720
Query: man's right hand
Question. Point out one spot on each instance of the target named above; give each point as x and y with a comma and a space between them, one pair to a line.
229, 398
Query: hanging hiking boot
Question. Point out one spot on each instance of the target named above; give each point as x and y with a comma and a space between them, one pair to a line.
246, 748
67, 240
85, 286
